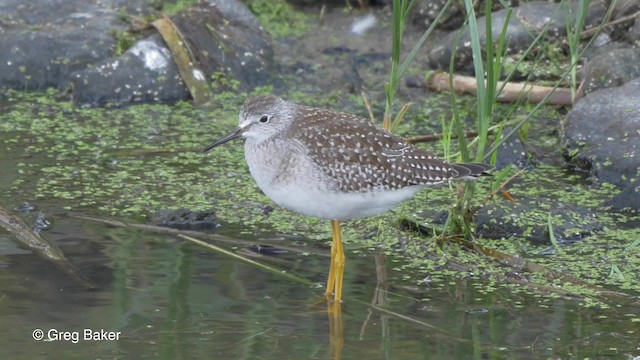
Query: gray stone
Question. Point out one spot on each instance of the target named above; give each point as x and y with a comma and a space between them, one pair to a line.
611, 69
229, 48
524, 218
601, 134
54, 43
45, 41
512, 151
237, 11
144, 73
633, 35
426, 11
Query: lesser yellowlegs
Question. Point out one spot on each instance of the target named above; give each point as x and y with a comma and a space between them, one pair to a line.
335, 166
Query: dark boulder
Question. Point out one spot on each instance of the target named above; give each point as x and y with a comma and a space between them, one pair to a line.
43, 42
144, 73
601, 134
611, 69
225, 46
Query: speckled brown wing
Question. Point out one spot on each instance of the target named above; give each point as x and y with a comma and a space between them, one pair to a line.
362, 157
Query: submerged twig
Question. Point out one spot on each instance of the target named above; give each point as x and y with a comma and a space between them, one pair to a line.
40, 246
173, 231
191, 237
231, 254
411, 320
28, 238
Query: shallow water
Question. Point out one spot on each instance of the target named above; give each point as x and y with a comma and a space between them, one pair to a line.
170, 299
164, 297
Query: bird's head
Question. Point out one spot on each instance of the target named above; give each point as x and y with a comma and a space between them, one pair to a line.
261, 118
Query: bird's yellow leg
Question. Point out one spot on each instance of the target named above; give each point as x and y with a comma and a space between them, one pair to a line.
339, 264
336, 270
331, 281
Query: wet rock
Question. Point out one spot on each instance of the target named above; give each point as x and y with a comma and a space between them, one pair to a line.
225, 42
611, 69
267, 250
601, 134
512, 151
633, 35
426, 11
25, 208
144, 73
625, 8
570, 222
185, 219
349, 66
525, 23
57, 43
235, 11
629, 198
525, 218
41, 222
45, 41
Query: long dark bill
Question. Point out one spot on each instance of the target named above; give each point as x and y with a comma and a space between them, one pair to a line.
234, 135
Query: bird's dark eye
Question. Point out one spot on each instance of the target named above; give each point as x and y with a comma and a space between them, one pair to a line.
264, 119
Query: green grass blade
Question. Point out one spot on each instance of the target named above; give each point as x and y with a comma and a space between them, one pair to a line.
552, 236
412, 54
518, 125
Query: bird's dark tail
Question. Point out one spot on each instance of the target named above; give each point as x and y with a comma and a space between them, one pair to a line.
471, 170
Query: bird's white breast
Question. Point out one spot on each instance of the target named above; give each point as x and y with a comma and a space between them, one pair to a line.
285, 174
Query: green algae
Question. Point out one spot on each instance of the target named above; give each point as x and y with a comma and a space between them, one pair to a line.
279, 18
134, 161
174, 7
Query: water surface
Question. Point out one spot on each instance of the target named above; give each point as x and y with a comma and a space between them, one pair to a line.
164, 297
171, 299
